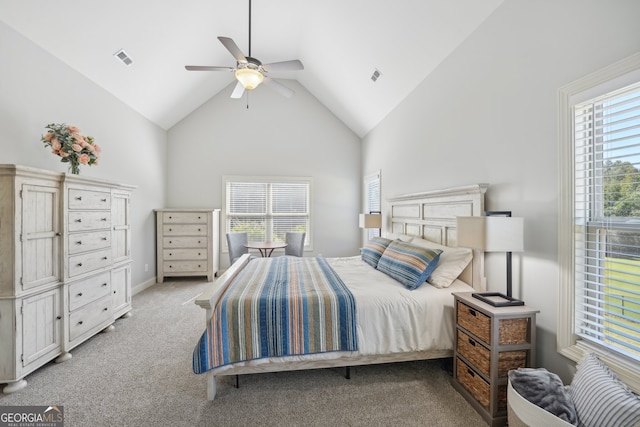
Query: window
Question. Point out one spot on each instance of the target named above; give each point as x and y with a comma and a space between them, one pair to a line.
372, 199
599, 229
267, 207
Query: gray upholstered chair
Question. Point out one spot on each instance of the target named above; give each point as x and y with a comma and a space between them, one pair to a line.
235, 242
295, 243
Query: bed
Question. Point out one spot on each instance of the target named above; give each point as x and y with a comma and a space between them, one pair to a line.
391, 323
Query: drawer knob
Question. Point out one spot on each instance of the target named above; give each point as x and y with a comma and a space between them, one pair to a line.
58, 317
79, 264
171, 266
199, 229
472, 312
104, 257
170, 254
114, 292
170, 242
198, 241
170, 229
199, 254
79, 220
58, 234
79, 198
79, 294
104, 284
170, 217
104, 200
104, 219
472, 342
80, 322
79, 242
104, 238
199, 217
105, 309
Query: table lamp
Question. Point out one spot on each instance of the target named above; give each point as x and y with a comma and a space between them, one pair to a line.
371, 220
497, 231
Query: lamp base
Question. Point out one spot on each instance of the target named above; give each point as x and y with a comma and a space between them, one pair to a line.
497, 299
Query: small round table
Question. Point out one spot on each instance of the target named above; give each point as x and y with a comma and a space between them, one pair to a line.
265, 248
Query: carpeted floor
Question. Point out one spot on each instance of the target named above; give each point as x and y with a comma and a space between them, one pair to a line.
140, 375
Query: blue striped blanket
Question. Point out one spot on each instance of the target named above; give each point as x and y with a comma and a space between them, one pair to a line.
279, 307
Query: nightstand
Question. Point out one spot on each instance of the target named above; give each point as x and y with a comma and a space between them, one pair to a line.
490, 341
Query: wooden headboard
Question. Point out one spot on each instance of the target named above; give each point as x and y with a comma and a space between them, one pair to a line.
432, 216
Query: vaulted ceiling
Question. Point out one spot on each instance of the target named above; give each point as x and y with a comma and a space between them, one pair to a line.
340, 42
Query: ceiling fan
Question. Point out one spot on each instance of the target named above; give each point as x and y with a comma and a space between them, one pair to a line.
249, 71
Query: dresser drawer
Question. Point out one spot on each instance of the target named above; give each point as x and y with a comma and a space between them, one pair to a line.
89, 199
84, 221
184, 254
84, 263
480, 356
184, 266
184, 242
88, 290
83, 242
90, 316
185, 230
184, 217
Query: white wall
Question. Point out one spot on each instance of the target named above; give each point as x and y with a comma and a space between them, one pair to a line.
275, 136
37, 89
488, 115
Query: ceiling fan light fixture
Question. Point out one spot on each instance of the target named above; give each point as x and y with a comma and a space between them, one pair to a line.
249, 77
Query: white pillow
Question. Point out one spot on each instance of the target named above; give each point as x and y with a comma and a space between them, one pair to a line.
397, 236
452, 262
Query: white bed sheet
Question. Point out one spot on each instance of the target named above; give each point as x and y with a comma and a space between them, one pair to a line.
390, 318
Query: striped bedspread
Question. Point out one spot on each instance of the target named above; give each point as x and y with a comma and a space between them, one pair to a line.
279, 306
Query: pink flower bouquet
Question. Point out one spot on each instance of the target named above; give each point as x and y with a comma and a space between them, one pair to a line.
73, 148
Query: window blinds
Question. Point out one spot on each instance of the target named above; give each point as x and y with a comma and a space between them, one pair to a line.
372, 200
607, 220
267, 209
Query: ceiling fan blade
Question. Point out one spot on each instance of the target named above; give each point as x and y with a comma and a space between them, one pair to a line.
278, 86
237, 91
292, 65
233, 48
207, 68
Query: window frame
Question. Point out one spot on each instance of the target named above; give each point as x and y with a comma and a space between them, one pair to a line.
268, 180
608, 79
370, 205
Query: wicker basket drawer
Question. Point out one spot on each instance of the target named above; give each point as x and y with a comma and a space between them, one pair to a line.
479, 388
480, 356
510, 331
474, 321
473, 383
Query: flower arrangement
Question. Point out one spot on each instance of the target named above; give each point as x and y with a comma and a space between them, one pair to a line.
65, 141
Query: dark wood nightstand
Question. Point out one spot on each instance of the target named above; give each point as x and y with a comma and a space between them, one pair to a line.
490, 341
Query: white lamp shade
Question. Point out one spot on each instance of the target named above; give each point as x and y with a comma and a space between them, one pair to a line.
370, 221
249, 77
491, 233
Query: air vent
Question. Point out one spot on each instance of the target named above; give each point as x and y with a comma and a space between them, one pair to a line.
376, 75
122, 56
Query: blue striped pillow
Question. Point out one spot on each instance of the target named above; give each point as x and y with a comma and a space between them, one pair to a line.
600, 398
408, 264
373, 250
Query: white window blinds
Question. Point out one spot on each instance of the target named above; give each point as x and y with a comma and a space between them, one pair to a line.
607, 220
266, 208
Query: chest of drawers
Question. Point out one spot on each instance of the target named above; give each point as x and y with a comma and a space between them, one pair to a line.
187, 242
65, 265
490, 341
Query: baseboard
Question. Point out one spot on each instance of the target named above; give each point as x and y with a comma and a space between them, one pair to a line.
142, 286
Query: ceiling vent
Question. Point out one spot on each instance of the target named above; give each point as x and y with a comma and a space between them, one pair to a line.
376, 75
122, 56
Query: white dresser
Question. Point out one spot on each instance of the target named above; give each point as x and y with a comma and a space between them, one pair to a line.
64, 265
187, 243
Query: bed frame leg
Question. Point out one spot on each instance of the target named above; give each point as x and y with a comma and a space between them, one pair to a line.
347, 373
211, 386
237, 384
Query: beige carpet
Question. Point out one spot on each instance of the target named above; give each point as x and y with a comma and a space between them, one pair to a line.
140, 375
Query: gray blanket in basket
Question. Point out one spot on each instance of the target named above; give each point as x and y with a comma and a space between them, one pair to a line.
544, 389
